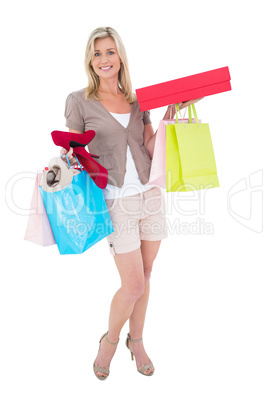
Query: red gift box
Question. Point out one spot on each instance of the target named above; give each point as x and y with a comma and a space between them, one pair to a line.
184, 89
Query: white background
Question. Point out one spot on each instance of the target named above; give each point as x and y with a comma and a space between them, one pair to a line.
206, 328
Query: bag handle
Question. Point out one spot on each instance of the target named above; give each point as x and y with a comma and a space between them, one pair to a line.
190, 114
190, 107
70, 164
178, 110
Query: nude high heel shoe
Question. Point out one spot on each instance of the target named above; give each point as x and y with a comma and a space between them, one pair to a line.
143, 368
102, 369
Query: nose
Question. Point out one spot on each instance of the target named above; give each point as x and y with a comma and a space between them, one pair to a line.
104, 59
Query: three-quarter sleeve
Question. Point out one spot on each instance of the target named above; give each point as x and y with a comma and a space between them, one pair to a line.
146, 117
73, 114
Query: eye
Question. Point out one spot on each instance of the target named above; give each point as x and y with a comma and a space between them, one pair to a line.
110, 52
97, 54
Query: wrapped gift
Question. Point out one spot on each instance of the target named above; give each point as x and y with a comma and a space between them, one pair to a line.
184, 89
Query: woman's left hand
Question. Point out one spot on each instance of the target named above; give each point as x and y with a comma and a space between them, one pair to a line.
171, 110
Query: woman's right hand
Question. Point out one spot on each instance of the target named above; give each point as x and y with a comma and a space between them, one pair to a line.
171, 110
69, 154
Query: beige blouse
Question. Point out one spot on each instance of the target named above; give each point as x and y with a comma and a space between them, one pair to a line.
111, 138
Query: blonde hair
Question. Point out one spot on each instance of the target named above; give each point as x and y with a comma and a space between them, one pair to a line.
124, 81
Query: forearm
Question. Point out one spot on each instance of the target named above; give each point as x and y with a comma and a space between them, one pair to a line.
150, 145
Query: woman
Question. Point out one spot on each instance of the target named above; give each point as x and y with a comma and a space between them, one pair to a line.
124, 141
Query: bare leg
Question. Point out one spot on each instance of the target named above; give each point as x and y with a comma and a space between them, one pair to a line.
149, 250
131, 270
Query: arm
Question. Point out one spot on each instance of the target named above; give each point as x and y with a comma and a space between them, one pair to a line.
149, 138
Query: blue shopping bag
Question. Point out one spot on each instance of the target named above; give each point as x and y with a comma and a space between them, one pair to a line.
76, 208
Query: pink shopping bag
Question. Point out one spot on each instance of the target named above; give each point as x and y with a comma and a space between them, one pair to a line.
38, 228
158, 167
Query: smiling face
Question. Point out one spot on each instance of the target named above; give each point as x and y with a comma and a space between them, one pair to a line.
106, 61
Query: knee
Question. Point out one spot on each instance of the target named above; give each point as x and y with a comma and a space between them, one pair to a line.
147, 274
135, 291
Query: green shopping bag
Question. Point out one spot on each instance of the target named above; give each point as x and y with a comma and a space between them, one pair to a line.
190, 161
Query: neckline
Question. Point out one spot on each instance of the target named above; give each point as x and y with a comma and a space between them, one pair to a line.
120, 114
122, 118
112, 117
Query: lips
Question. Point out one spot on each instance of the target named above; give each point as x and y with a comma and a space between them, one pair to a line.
106, 68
